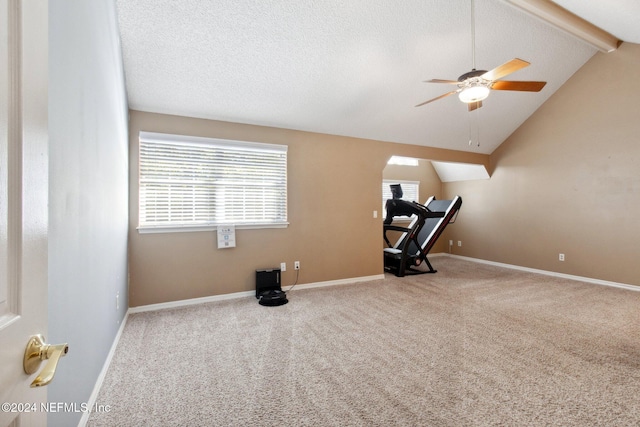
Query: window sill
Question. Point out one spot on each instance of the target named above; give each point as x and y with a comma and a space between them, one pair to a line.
195, 228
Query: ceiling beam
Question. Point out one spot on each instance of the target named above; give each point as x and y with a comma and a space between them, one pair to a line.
567, 21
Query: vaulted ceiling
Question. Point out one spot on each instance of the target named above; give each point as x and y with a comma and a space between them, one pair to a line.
353, 68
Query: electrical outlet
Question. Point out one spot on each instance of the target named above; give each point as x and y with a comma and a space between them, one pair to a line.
450, 242
375, 214
117, 301
296, 265
283, 266
459, 243
560, 257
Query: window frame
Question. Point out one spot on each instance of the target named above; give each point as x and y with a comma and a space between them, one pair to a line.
213, 143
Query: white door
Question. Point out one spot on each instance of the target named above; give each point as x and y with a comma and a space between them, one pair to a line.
23, 203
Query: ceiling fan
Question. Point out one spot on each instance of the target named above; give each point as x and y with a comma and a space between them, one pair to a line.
475, 85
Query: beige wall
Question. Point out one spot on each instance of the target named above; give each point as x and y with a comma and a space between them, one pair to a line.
567, 181
332, 232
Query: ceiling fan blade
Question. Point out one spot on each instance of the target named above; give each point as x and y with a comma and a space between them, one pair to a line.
451, 82
520, 86
436, 98
474, 105
505, 69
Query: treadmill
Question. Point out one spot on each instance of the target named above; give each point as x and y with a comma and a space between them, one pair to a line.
428, 221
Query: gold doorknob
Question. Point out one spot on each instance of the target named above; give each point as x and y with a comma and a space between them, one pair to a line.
37, 351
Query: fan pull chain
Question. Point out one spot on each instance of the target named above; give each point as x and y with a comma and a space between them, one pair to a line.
473, 35
478, 127
474, 127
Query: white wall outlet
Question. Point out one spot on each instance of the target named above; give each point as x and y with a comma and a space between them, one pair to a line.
283, 266
560, 257
459, 243
375, 214
296, 265
450, 242
117, 301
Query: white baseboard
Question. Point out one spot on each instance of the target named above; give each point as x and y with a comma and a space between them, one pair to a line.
96, 388
193, 301
551, 273
340, 282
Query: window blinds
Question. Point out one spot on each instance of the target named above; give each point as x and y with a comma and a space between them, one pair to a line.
410, 190
194, 181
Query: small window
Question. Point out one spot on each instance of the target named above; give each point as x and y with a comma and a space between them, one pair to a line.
410, 191
403, 161
189, 183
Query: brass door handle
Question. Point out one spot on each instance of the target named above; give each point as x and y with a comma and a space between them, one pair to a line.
36, 352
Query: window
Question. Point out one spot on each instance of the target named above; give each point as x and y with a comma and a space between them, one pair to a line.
410, 191
403, 161
191, 183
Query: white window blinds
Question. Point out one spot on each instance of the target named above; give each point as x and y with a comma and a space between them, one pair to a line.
194, 182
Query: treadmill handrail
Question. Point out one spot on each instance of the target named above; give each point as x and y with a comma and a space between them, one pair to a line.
396, 228
414, 220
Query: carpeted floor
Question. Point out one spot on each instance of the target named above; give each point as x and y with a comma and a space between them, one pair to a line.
472, 345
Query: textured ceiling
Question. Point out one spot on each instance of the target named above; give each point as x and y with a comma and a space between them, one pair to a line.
353, 68
620, 18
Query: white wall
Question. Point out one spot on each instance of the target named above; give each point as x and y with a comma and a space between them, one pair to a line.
87, 195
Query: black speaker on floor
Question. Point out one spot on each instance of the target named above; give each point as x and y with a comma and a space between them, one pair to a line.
268, 288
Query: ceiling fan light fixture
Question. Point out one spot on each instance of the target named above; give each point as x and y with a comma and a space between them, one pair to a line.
474, 93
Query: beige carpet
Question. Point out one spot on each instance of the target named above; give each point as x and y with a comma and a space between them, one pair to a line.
472, 345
